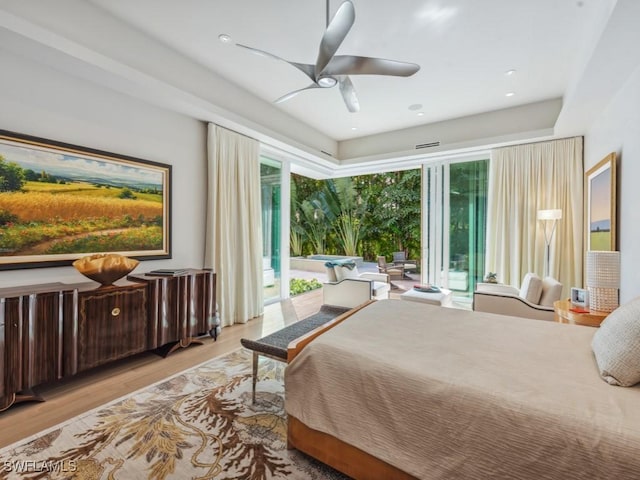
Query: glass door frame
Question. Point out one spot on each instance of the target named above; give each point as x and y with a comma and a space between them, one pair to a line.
277, 155
435, 222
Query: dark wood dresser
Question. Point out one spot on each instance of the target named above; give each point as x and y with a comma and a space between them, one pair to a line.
56, 330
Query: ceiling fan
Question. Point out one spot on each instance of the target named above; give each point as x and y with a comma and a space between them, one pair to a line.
331, 69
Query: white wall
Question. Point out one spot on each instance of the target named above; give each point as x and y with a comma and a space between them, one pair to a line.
617, 129
38, 100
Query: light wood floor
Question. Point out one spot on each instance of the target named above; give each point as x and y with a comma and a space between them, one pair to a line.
88, 390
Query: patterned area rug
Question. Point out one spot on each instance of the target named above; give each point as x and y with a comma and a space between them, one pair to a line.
199, 424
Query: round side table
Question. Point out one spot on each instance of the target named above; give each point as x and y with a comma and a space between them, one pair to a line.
563, 314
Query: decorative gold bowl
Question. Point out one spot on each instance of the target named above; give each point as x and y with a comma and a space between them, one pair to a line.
105, 268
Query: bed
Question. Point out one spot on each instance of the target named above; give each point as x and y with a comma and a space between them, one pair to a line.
407, 390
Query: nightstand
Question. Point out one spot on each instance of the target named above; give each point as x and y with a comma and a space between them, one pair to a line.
563, 314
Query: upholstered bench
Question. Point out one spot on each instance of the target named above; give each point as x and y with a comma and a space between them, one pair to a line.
275, 345
442, 298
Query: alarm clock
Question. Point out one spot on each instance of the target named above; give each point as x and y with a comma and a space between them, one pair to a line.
580, 297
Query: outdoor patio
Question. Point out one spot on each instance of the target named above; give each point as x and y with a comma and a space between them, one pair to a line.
398, 287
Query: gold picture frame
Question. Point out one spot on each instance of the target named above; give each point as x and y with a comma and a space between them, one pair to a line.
600, 205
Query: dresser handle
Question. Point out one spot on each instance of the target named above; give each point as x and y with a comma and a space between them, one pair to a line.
115, 312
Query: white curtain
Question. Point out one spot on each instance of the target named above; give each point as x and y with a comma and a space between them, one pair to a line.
233, 243
522, 180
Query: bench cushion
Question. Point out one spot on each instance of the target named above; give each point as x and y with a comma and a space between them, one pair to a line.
275, 345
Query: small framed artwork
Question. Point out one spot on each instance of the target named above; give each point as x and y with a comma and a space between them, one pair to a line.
600, 208
579, 297
59, 202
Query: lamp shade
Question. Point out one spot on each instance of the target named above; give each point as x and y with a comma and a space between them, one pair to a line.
603, 269
603, 280
555, 214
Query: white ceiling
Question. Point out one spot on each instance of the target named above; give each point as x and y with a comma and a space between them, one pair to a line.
464, 48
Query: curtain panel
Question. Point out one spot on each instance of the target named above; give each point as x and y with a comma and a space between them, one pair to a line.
233, 243
522, 180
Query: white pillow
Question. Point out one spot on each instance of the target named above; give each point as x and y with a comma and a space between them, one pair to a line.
531, 288
344, 272
551, 291
616, 345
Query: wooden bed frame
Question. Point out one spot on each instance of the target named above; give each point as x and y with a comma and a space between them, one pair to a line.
329, 450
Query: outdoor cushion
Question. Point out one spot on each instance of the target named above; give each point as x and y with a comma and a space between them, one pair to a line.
343, 271
379, 288
331, 273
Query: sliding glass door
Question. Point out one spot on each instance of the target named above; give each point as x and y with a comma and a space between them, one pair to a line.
270, 185
274, 185
454, 224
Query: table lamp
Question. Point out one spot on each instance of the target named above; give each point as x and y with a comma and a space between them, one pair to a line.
603, 280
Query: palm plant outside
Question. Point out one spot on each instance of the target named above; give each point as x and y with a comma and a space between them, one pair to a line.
316, 225
297, 233
345, 209
369, 215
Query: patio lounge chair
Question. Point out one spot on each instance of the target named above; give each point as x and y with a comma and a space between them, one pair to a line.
400, 259
394, 271
349, 288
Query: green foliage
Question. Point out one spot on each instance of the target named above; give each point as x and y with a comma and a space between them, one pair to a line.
368, 215
7, 218
345, 208
17, 237
300, 285
30, 175
396, 214
297, 232
313, 218
141, 238
45, 177
126, 193
296, 242
11, 176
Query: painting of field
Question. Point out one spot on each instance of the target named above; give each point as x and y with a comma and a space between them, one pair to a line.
57, 204
600, 205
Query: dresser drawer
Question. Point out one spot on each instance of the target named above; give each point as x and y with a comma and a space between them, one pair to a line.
111, 325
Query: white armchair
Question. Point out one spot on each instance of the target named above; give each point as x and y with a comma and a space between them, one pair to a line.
349, 288
533, 300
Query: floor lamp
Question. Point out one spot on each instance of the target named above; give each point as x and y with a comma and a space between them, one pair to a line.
547, 216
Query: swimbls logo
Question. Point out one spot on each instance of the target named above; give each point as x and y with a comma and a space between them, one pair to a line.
25, 466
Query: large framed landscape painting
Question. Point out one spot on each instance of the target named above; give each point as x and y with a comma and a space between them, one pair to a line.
60, 202
600, 208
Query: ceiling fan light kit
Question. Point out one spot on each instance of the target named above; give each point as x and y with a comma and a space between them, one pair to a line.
331, 69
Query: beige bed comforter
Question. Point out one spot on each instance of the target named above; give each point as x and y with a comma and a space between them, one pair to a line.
445, 393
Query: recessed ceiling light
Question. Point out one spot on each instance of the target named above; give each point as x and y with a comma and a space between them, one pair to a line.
420, 114
224, 38
508, 73
415, 106
509, 94
354, 128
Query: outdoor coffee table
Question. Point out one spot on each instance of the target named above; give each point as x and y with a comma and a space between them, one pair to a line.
442, 298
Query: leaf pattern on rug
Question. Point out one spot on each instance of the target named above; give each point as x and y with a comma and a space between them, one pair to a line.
200, 424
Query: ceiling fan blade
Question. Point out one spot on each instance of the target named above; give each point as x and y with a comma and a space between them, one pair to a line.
353, 65
308, 70
349, 94
289, 95
334, 35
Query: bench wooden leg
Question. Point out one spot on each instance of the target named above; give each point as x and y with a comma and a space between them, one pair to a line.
255, 375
